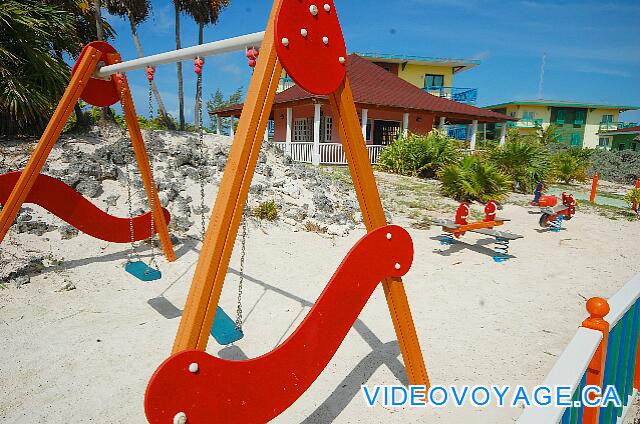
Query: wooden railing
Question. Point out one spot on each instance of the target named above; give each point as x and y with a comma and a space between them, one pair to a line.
604, 352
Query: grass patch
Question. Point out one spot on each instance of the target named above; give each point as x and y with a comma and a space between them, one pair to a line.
266, 210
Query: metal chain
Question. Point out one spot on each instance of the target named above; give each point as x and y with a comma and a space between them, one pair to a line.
243, 251
152, 183
132, 251
201, 173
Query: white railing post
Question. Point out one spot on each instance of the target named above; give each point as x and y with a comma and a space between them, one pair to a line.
474, 135
442, 124
365, 116
287, 146
405, 124
218, 125
233, 130
503, 134
315, 157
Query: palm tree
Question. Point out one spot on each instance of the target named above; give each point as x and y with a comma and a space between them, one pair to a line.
204, 13
106, 117
32, 75
86, 30
137, 11
178, 4
548, 135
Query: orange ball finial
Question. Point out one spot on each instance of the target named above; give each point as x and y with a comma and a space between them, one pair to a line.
597, 307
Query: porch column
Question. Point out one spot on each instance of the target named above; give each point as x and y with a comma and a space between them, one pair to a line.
218, 125
315, 157
442, 124
266, 134
365, 116
405, 124
232, 130
288, 137
474, 135
503, 134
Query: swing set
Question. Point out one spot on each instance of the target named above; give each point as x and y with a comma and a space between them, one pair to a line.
192, 386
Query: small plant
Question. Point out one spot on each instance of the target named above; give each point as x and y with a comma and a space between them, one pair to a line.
474, 179
570, 165
266, 210
314, 227
633, 199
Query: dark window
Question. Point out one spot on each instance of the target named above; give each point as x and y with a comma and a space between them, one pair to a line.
434, 80
385, 132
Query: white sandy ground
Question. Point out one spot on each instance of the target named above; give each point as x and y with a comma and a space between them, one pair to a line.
85, 356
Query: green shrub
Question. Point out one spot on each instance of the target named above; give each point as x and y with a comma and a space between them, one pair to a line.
525, 160
633, 196
619, 166
570, 165
419, 155
266, 210
474, 179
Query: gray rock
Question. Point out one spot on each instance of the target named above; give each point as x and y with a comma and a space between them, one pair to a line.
322, 202
20, 281
66, 286
90, 188
68, 232
292, 189
112, 200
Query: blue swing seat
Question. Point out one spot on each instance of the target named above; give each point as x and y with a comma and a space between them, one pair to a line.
142, 271
224, 329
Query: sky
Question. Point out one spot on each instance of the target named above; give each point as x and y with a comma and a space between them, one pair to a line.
592, 47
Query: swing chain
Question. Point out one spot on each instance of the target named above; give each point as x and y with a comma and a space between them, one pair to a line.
153, 187
132, 251
201, 173
243, 252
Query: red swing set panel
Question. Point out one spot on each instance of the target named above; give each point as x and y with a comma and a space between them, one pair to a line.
70, 206
211, 390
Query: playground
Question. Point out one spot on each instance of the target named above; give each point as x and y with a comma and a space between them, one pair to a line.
186, 278
87, 353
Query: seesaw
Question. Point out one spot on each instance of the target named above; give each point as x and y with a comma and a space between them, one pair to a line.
455, 229
70, 206
194, 387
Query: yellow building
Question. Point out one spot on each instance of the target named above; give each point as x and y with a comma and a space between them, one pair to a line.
434, 75
578, 123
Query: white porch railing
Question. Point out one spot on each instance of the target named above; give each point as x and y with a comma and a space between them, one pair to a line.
330, 153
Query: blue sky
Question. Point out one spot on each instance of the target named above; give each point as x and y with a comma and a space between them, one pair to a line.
592, 47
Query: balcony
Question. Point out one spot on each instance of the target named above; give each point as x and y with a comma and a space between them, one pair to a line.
457, 94
612, 126
285, 83
526, 123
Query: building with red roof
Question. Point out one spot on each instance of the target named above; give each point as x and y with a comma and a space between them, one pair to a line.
621, 139
387, 106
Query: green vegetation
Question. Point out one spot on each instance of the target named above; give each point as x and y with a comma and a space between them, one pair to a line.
473, 178
570, 165
418, 155
620, 167
633, 197
266, 210
525, 160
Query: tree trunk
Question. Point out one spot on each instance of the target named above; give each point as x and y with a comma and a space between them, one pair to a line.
162, 111
106, 117
179, 66
198, 107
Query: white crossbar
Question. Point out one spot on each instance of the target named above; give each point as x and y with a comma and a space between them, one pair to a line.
210, 49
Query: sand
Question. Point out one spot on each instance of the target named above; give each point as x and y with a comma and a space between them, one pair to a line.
85, 355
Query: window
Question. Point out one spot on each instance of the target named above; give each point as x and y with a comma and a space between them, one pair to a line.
328, 127
560, 116
575, 139
301, 130
607, 119
603, 142
433, 80
527, 116
621, 146
579, 120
